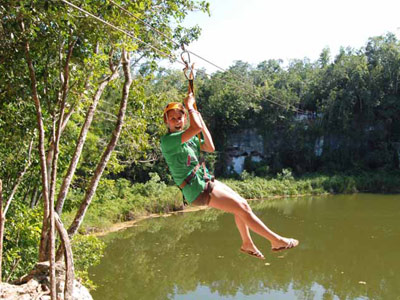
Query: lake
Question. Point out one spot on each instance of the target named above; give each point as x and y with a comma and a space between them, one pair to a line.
349, 249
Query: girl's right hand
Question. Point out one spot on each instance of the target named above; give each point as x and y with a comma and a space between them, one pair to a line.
189, 101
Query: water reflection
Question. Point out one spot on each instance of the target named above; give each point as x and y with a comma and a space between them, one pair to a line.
349, 250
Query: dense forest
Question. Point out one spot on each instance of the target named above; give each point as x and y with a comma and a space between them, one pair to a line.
350, 100
100, 96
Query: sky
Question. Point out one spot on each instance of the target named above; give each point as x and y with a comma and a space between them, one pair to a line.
258, 30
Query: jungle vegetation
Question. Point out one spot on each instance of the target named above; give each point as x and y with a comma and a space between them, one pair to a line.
81, 121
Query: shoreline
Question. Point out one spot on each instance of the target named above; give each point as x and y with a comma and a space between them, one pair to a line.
257, 188
127, 224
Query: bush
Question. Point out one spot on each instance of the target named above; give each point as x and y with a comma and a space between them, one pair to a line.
121, 200
21, 239
88, 250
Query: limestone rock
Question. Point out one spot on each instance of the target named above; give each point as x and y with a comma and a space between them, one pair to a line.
36, 285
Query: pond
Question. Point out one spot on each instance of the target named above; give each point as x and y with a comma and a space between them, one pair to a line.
349, 249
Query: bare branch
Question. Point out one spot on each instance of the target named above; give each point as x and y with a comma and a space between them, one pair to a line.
53, 181
108, 151
69, 262
19, 180
2, 222
42, 154
15, 265
134, 62
81, 141
72, 108
108, 114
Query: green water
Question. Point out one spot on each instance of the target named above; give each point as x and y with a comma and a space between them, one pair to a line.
350, 249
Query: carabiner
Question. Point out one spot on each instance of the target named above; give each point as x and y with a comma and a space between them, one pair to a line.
186, 62
188, 69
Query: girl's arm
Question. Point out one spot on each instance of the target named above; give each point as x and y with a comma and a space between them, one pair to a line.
208, 145
196, 124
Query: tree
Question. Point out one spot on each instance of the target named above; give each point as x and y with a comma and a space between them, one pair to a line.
68, 55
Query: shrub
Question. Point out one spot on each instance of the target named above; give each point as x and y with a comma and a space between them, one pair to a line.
21, 240
88, 250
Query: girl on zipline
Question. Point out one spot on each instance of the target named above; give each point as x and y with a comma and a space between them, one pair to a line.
181, 149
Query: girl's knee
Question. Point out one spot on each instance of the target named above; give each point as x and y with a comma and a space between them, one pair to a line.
245, 208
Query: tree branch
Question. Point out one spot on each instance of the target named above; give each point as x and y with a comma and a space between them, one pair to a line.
2, 221
42, 153
81, 141
19, 180
69, 262
55, 148
108, 151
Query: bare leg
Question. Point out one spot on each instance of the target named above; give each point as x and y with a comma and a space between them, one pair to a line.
247, 242
244, 233
225, 199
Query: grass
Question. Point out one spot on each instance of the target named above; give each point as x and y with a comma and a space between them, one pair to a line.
119, 200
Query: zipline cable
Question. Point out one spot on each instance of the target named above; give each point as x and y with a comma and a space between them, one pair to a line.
145, 23
163, 34
240, 78
121, 30
162, 52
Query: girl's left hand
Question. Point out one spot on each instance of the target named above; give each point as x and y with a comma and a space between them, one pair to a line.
189, 101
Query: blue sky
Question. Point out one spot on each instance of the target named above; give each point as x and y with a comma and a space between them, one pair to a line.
257, 30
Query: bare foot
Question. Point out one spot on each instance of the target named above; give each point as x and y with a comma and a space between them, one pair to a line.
284, 244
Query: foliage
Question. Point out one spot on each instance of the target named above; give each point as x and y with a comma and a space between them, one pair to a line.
64, 43
120, 200
21, 237
350, 100
88, 250
286, 185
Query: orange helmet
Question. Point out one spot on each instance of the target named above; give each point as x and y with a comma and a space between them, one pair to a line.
171, 106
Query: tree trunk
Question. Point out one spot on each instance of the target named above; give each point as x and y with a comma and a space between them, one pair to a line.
69, 262
55, 152
34, 197
108, 151
81, 141
2, 221
61, 93
42, 154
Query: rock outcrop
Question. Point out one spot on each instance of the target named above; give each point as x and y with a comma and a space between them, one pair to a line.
36, 285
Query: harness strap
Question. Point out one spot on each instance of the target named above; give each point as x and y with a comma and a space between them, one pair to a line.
206, 177
190, 177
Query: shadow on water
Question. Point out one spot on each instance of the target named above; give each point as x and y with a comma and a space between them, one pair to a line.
349, 249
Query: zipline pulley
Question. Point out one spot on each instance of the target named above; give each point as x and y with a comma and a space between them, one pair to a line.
188, 70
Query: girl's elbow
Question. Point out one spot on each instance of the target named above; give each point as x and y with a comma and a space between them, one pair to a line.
210, 149
195, 128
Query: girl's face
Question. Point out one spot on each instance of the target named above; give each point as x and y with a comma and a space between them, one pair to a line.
175, 120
